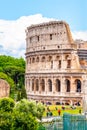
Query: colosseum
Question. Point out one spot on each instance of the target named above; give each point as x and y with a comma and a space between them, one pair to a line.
56, 65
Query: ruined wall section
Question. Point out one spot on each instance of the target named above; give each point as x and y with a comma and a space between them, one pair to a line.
4, 88
48, 36
48, 44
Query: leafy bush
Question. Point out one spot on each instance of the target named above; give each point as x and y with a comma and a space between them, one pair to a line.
6, 104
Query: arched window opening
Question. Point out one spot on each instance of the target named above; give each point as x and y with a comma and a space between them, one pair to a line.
37, 85
50, 36
33, 60
59, 63
30, 60
58, 103
43, 85
50, 58
38, 38
57, 58
67, 85
50, 85
57, 85
32, 84
67, 57
68, 63
43, 59
78, 85
37, 59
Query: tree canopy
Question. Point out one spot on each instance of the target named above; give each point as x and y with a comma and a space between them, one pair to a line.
21, 115
13, 70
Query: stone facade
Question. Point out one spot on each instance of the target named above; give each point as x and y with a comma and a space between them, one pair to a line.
4, 88
55, 64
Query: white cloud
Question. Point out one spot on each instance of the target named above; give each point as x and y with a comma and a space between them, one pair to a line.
12, 34
80, 35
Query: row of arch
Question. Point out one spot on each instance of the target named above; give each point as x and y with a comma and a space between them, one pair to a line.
47, 58
38, 85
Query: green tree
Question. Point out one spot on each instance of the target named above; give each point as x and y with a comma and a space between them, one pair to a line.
24, 121
12, 70
31, 107
6, 104
7, 78
23, 93
16, 73
6, 110
6, 121
25, 115
19, 116
40, 110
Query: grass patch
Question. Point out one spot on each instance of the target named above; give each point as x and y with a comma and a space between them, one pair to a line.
68, 109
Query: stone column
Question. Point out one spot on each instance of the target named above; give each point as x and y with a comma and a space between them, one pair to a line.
71, 85
53, 85
34, 85
30, 85
62, 84
40, 86
46, 85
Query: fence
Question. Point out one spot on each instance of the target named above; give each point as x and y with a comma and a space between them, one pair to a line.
69, 122
74, 122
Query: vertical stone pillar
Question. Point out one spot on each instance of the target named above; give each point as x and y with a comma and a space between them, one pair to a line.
40, 86
30, 85
62, 80
27, 84
72, 86
46, 85
34, 85
53, 85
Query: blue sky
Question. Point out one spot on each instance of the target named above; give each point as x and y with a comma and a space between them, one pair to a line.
16, 15
72, 11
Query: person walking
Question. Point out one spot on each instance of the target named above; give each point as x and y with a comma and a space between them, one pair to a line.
59, 112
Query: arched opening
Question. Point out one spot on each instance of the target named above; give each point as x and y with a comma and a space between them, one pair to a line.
50, 85
68, 63
43, 59
58, 103
50, 36
78, 85
48, 103
43, 85
37, 84
57, 85
33, 60
67, 85
30, 60
50, 58
59, 66
68, 59
57, 57
37, 59
32, 84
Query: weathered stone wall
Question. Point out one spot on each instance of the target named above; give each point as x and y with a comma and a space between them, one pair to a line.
53, 70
